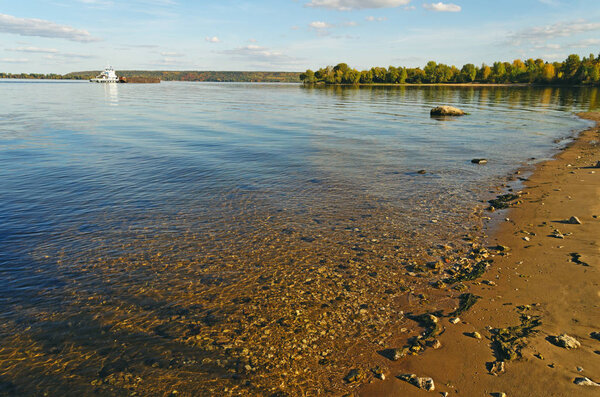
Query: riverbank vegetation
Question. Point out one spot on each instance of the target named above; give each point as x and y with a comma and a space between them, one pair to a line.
573, 71
164, 75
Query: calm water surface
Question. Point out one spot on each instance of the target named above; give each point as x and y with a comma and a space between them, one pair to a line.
124, 206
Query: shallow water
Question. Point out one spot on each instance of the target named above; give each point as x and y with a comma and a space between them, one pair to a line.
149, 234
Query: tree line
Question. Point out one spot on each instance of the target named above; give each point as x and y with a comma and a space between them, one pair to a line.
164, 75
571, 71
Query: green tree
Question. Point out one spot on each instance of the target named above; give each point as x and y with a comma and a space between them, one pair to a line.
468, 73
429, 71
571, 67
308, 77
366, 77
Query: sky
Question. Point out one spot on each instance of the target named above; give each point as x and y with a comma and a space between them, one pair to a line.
61, 36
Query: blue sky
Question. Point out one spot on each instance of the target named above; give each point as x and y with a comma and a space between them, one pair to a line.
61, 36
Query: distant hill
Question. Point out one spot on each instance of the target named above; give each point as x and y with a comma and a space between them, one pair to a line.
190, 75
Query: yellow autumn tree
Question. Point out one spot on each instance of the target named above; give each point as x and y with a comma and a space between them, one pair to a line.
548, 72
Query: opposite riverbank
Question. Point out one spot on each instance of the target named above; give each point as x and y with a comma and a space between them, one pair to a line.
541, 277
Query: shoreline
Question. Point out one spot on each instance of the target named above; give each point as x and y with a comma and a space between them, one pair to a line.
475, 85
541, 277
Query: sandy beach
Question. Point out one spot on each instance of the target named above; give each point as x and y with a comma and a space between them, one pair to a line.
541, 277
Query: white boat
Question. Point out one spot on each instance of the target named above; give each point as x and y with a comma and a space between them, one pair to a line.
108, 76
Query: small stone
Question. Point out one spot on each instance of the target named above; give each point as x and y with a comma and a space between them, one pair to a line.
394, 354
355, 376
598, 164
421, 172
434, 343
526, 238
496, 367
454, 320
378, 372
427, 384
489, 282
574, 221
557, 234
595, 335
479, 161
585, 382
566, 341
475, 335
502, 248
579, 369
499, 394
421, 383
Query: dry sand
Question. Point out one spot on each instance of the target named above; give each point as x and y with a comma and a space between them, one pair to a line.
539, 272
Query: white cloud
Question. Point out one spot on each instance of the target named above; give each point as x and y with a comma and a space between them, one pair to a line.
320, 25
213, 39
42, 28
167, 61
346, 5
14, 60
256, 53
34, 50
172, 54
373, 19
98, 3
586, 43
69, 55
561, 29
548, 46
442, 7
350, 23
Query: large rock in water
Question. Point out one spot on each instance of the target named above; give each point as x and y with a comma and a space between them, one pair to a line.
446, 111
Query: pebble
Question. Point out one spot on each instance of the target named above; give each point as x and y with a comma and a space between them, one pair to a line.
496, 367
479, 161
355, 376
434, 344
454, 320
595, 335
526, 238
394, 354
422, 383
566, 341
475, 335
585, 382
574, 221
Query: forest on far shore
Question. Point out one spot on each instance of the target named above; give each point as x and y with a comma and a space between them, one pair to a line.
572, 71
171, 75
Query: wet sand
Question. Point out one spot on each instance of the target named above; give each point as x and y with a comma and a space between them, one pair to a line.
554, 280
